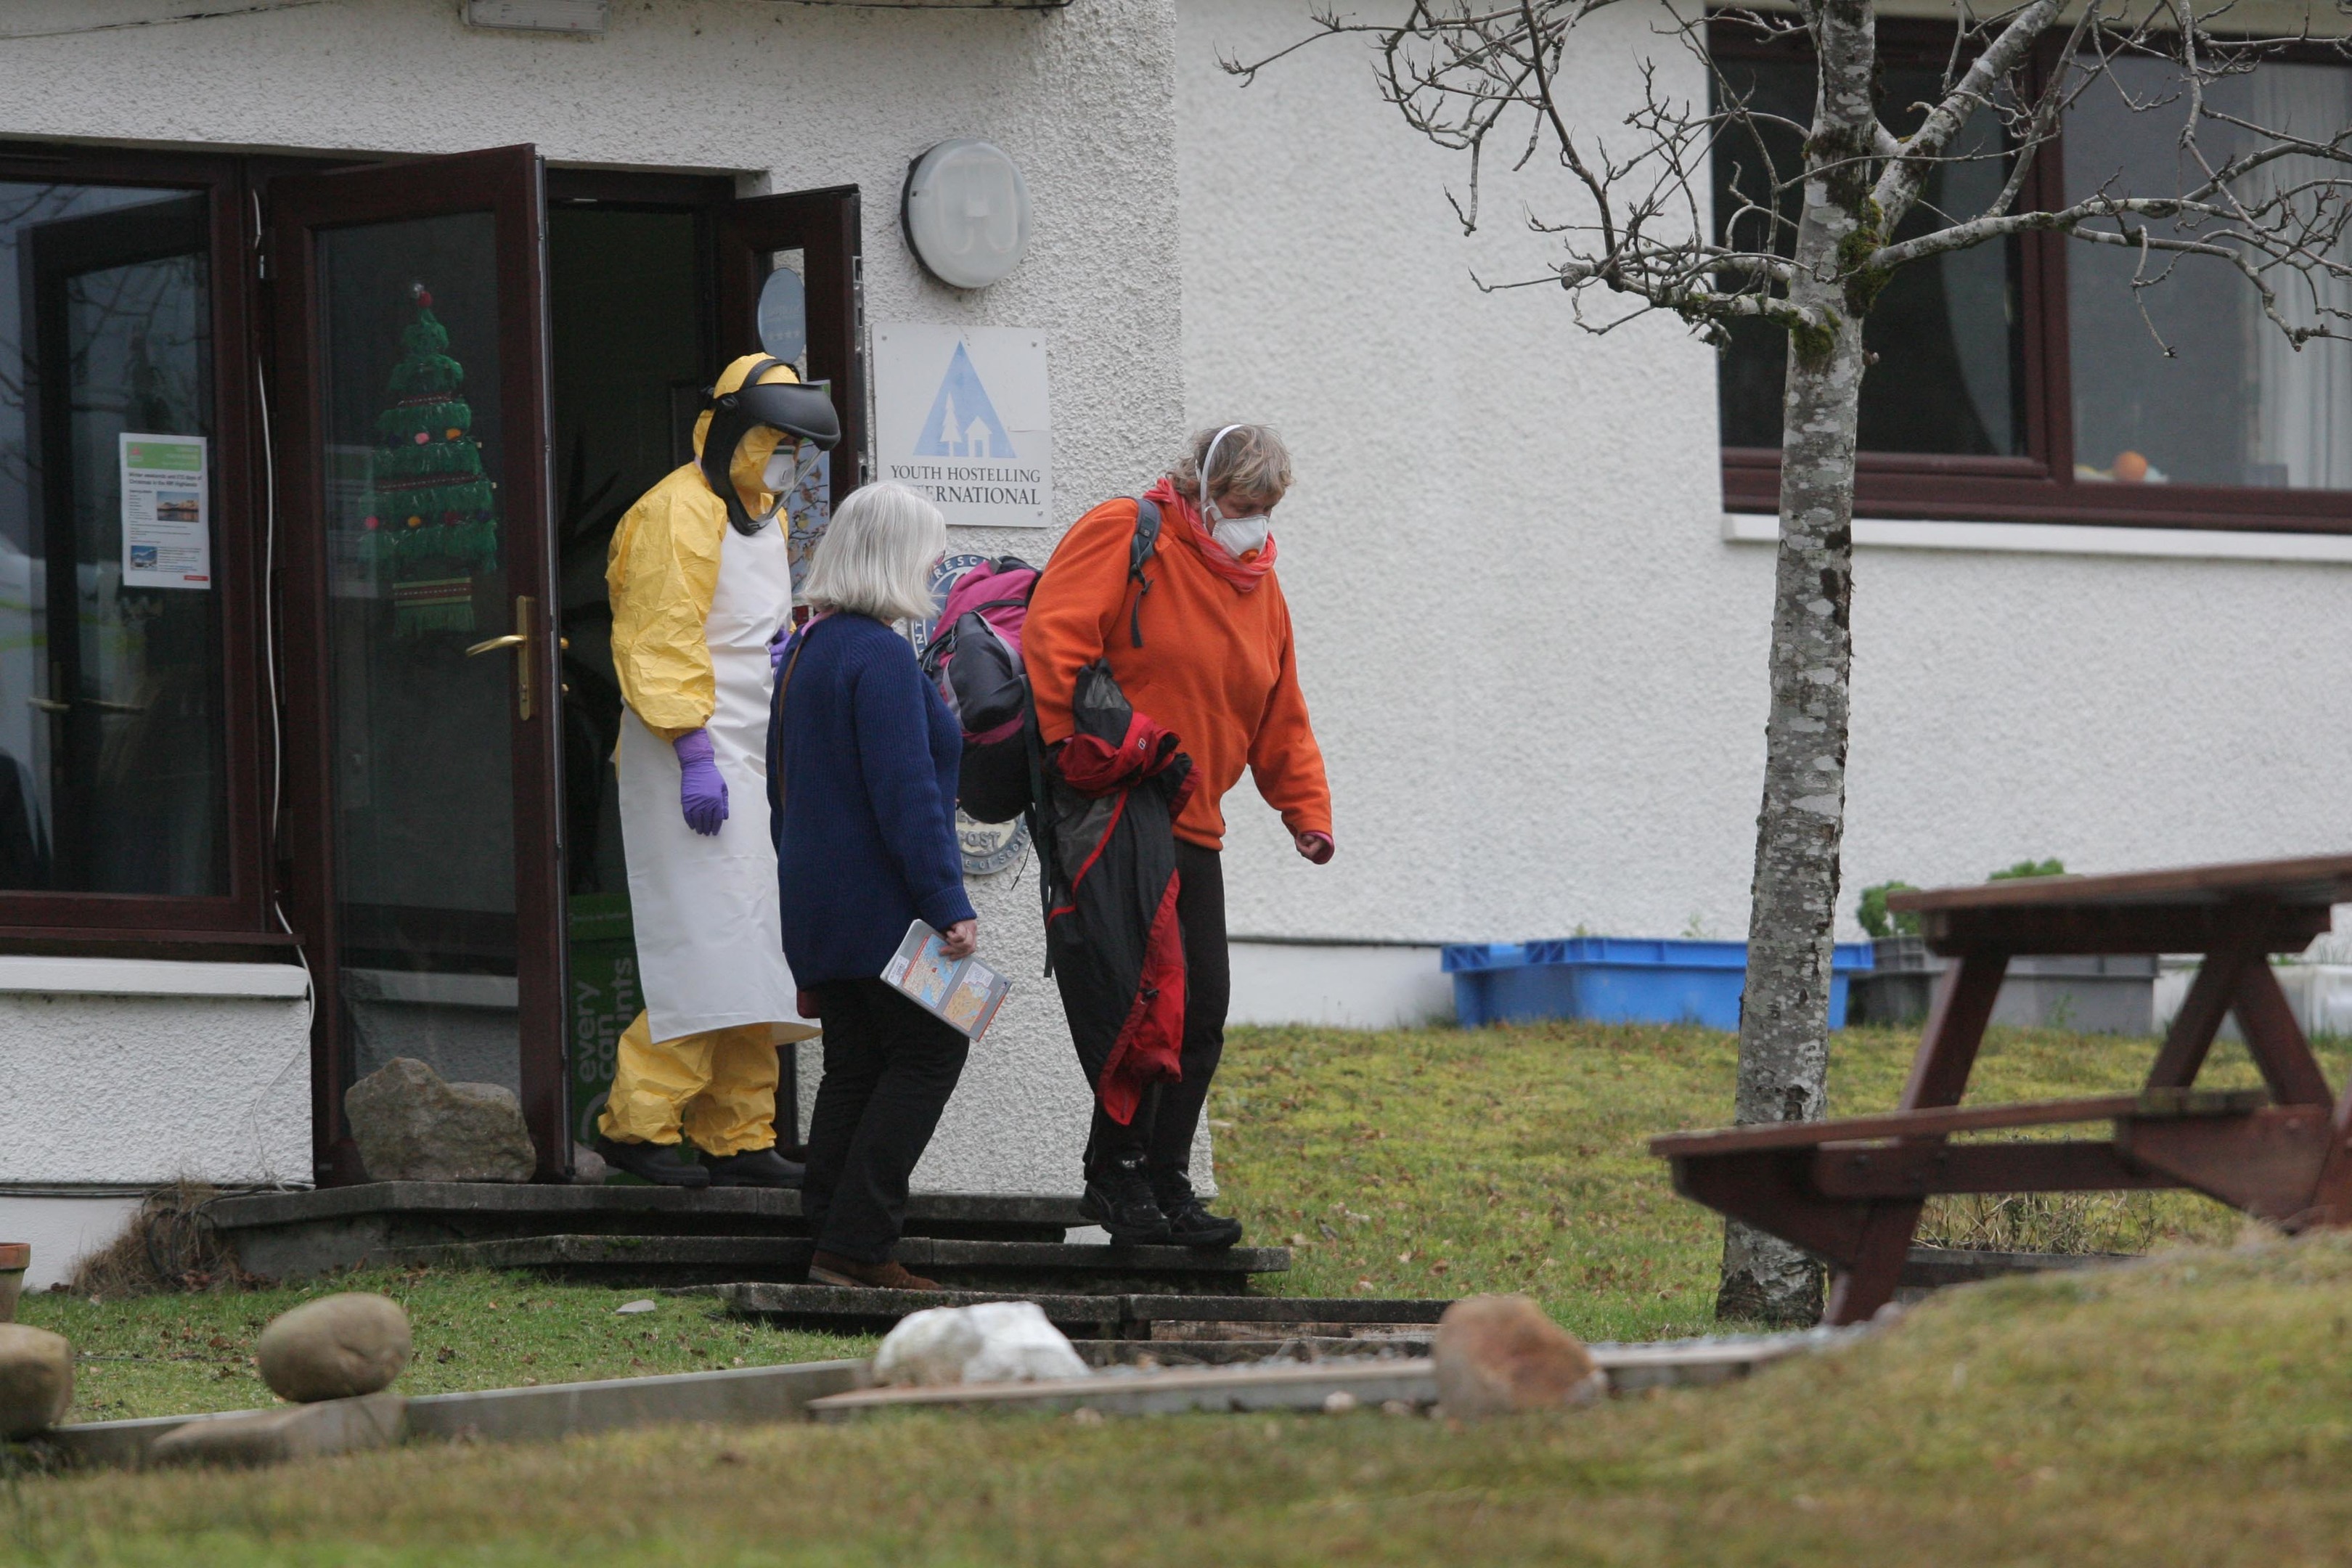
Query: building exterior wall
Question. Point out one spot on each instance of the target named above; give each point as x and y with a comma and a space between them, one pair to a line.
123, 1076
787, 98
1536, 662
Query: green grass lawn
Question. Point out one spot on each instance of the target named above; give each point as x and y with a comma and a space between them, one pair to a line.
2191, 1411
1422, 1162
166, 1355
2196, 1410
1443, 1161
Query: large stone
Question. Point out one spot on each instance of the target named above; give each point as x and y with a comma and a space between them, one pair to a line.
294, 1432
336, 1347
1499, 1353
36, 1380
412, 1126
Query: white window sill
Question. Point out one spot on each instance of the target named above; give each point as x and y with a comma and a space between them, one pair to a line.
2066, 539
149, 977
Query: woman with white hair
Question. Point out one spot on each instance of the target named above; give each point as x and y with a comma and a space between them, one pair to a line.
863, 756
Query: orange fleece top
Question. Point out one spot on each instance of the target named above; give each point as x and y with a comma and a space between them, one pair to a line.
1215, 667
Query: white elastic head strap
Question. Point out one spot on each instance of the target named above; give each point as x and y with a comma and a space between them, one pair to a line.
1209, 512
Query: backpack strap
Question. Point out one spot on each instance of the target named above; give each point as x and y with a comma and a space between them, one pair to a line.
1139, 550
776, 728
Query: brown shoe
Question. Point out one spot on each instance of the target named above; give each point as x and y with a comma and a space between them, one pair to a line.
825, 1268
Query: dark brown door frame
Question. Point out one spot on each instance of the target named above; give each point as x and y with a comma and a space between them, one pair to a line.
823, 225
505, 182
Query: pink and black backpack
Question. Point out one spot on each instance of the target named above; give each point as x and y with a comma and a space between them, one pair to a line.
975, 659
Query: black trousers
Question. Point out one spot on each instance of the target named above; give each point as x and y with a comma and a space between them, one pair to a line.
1171, 1112
889, 1068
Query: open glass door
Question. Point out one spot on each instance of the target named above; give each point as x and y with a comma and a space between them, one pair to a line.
789, 285
423, 773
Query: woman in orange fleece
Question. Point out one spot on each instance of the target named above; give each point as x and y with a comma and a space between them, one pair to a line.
1203, 648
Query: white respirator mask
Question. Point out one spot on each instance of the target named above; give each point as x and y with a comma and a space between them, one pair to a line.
1239, 535
789, 466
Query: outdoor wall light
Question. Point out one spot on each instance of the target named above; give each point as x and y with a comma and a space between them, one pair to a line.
966, 213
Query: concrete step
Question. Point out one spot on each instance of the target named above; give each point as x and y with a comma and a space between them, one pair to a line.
1406, 1342
1927, 1268
1092, 1314
284, 1236
1006, 1266
1412, 1383
739, 1396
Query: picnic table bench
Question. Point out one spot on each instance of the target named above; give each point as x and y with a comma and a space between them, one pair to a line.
1850, 1191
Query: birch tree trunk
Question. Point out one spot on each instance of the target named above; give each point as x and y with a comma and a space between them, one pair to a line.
1784, 1025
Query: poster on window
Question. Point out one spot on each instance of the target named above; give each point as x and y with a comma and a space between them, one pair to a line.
960, 417
167, 540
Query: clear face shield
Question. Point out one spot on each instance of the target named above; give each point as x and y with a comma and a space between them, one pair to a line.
765, 440
791, 465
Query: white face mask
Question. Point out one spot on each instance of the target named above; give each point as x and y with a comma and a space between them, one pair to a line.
1240, 535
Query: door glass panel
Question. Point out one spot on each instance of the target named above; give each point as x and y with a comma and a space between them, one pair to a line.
784, 333
416, 545
112, 750
783, 309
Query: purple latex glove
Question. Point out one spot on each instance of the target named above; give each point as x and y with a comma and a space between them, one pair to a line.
776, 646
701, 793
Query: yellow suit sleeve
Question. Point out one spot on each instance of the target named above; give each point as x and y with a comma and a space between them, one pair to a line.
663, 572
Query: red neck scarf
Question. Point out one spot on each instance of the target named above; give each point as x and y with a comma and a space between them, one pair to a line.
1244, 573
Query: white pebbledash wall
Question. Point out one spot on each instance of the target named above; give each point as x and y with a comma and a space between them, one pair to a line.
1535, 661
122, 1076
788, 97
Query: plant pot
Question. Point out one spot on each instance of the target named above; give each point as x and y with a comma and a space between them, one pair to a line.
15, 1256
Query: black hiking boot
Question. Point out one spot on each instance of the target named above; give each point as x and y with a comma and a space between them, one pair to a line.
755, 1168
660, 1163
1188, 1223
1119, 1198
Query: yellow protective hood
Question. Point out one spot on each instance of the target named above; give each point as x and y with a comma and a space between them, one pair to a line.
759, 444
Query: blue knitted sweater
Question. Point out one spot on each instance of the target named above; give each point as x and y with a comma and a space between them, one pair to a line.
867, 753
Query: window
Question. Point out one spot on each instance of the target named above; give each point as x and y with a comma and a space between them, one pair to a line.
2233, 403
2020, 380
121, 735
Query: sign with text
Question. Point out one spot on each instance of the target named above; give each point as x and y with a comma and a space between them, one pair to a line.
962, 419
167, 540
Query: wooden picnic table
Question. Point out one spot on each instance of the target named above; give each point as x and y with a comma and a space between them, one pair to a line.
1850, 1191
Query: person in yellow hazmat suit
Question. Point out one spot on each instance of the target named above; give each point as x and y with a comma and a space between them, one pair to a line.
701, 580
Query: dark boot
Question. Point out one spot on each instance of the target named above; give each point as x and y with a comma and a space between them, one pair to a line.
660, 1163
1119, 1198
755, 1168
1188, 1223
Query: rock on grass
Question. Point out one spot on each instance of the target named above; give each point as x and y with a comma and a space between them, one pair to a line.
1500, 1353
35, 1378
336, 1347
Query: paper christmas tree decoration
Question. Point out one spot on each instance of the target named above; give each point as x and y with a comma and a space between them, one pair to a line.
431, 514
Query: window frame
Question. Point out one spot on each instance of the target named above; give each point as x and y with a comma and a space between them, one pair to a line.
234, 924
2040, 487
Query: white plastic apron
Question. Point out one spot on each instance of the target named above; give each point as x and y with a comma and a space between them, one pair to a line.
710, 930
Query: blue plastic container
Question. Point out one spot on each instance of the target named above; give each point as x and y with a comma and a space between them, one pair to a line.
1618, 980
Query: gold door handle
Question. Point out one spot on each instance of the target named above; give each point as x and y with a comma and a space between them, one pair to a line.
520, 638
48, 705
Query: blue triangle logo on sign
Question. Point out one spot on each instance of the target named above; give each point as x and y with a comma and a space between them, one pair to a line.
962, 422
